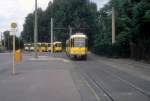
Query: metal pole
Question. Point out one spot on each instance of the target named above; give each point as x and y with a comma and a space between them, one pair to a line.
14, 62
35, 31
70, 30
9, 43
113, 25
1, 39
19, 42
52, 35
52, 29
1, 35
4, 41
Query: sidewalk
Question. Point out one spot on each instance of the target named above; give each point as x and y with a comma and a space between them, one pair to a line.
39, 81
136, 68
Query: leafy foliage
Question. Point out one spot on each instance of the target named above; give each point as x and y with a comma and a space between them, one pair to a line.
78, 14
132, 29
9, 41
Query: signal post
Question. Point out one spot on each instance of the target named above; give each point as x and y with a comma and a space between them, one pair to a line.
13, 33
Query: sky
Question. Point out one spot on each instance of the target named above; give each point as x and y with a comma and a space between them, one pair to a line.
17, 10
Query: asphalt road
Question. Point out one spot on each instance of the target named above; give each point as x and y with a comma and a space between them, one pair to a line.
59, 78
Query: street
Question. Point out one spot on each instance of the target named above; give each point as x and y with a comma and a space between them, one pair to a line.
55, 77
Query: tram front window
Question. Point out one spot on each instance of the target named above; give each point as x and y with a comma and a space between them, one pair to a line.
79, 43
58, 45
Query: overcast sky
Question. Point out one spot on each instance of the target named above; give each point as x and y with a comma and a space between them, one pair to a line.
17, 10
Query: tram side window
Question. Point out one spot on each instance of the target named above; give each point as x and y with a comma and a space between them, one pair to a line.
66, 44
71, 42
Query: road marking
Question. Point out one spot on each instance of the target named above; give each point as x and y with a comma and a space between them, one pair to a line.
93, 91
65, 60
47, 59
61, 59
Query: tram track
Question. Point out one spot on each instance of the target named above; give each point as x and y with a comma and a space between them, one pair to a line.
109, 71
99, 86
89, 81
129, 83
91, 74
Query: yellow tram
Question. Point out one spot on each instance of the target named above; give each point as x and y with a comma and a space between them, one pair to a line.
43, 47
49, 47
32, 47
76, 46
39, 47
27, 46
57, 46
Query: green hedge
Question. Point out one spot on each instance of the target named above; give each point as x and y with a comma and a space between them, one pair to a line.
116, 50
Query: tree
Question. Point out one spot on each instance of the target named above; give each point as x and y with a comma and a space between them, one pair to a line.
141, 32
66, 13
9, 41
132, 32
28, 29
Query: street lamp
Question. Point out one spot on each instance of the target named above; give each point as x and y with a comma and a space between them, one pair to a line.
35, 31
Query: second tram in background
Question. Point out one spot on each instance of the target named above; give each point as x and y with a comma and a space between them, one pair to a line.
57, 46
76, 46
44, 47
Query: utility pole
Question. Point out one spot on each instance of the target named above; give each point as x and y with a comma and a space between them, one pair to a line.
19, 43
1, 39
4, 41
9, 42
52, 35
52, 29
70, 31
35, 31
113, 25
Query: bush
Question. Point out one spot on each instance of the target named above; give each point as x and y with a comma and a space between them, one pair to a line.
116, 50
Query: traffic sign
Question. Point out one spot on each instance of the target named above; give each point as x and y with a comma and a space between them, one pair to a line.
13, 25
